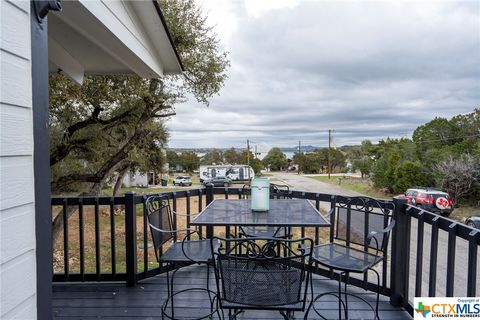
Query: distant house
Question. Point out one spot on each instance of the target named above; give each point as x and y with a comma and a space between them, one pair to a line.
86, 37
137, 179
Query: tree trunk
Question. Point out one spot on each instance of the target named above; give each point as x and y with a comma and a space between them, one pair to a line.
57, 224
120, 177
117, 161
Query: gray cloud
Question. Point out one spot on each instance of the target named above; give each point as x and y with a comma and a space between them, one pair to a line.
366, 69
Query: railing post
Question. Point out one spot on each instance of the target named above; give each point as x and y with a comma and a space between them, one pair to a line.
399, 273
209, 199
209, 193
131, 238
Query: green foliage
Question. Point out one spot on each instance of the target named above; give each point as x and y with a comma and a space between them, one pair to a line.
436, 134
364, 164
275, 159
317, 161
436, 156
256, 165
379, 178
214, 157
198, 46
189, 161
337, 159
307, 162
107, 124
172, 158
231, 156
409, 174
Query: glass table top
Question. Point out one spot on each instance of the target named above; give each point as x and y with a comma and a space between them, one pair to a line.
238, 212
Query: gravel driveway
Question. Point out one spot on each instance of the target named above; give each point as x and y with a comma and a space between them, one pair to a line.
302, 183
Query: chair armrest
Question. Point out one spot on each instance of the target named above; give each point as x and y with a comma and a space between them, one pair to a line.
183, 244
372, 234
183, 214
303, 248
172, 231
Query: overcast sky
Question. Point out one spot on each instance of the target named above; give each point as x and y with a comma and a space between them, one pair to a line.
366, 69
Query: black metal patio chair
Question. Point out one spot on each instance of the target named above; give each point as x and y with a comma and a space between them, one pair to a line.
180, 253
359, 234
260, 278
280, 192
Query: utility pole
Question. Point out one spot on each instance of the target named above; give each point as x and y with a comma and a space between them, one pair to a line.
329, 146
255, 152
248, 152
299, 148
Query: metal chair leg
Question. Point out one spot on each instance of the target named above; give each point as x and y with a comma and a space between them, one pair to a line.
172, 296
340, 296
377, 316
214, 302
305, 317
208, 290
221, 315
346, 295
288, 315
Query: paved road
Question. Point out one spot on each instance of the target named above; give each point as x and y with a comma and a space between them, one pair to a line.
303, 183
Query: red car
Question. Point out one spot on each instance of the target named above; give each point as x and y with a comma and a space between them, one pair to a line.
432, 200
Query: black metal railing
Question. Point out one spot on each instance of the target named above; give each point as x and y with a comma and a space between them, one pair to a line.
107, 239
452, 247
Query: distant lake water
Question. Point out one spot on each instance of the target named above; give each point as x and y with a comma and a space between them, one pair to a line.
289, 155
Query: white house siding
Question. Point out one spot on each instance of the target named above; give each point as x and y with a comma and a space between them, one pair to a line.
17, 215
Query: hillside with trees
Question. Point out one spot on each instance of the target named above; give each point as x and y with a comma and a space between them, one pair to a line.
443, 153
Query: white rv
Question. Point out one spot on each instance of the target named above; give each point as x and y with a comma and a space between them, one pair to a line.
237, 172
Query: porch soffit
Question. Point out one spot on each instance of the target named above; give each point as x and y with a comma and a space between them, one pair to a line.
110, 37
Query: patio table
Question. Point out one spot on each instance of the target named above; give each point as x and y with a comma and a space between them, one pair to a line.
238, 212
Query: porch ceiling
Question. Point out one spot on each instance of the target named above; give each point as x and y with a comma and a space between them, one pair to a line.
111, 37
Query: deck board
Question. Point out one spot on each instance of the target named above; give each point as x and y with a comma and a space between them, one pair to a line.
116, 301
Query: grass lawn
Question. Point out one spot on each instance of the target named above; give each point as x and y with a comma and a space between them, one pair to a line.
363, 186
463, 212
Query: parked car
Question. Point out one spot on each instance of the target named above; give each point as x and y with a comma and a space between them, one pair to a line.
433, 200
182, 181
218, 181
473, 221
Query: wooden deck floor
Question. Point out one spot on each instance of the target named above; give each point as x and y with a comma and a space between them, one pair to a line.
116, 301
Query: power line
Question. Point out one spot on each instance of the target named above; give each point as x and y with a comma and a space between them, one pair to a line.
248, 153
329, 146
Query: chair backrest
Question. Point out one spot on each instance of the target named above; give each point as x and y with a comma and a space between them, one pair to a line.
159, 217
246, 192
279, 191
263, 272
353, 218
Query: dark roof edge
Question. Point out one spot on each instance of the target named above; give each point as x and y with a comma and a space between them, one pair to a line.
164, 23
